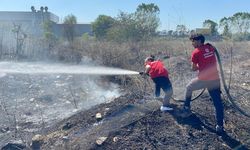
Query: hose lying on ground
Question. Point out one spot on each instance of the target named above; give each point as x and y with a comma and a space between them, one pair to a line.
181, 100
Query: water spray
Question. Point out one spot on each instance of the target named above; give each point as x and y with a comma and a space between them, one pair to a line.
43, 68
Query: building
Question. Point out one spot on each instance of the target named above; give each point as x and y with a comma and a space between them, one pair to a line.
21, 31
32, 22
79, 29
204, 31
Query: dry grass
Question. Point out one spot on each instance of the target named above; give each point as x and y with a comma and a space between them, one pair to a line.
131, 56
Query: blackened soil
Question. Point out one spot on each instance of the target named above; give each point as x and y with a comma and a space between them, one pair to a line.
149, 128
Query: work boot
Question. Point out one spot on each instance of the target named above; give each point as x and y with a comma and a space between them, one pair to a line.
185, 112
219, 130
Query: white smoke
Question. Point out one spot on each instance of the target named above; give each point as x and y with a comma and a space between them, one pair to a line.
42, 92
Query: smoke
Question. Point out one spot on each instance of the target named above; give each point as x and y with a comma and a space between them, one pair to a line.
44, 92
2, 74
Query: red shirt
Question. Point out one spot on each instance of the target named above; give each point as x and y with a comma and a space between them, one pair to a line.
204, 57
157, 69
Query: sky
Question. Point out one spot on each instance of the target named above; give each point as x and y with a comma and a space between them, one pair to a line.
191, 13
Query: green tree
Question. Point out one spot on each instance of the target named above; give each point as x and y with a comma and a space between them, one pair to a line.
181, 30
20, 36
147, 20
49, 36
236, 26
137, 26
68, 24
124, 29
241, 22
101, 26
225, 24
212, 26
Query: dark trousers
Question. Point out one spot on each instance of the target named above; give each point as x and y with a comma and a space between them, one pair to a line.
164, 84
213, 88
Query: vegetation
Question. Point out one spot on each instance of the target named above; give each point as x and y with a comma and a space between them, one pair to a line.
138, 29
236, 26
212, 26
138, 26
69, 22
101, 26
49, 37
20, 36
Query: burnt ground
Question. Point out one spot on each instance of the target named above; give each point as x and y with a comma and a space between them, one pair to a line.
149, 128
127, 123
131, 123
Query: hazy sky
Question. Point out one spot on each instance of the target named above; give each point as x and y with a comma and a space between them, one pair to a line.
191, 13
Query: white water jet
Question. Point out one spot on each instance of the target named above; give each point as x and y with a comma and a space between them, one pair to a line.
45, 68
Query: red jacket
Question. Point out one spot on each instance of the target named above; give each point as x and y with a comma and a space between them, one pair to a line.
204, 57
157, 69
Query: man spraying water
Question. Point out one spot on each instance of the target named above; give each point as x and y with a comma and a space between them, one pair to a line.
159, 74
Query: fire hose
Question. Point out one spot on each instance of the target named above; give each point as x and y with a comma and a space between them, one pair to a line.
226, 88
231, 100
180, 100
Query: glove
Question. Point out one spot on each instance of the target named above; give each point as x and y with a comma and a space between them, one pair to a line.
141, 73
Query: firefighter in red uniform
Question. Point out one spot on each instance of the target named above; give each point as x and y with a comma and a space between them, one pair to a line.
204, 60
159, 74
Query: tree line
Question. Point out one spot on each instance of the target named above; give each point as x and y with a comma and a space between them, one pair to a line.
142, 25
139, 26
